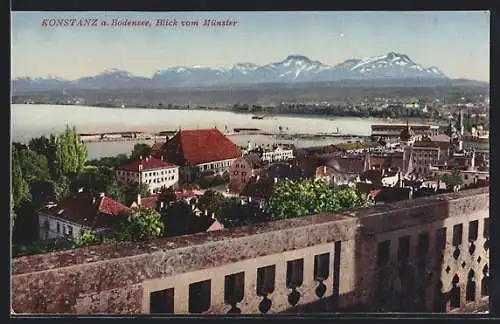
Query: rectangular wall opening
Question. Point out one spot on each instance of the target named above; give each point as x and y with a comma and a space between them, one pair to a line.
199, 296
162, 301
457, 234
384, 253
336, 275
404, 248
473, 230
321, 266
294, 273
234, 288
265, 280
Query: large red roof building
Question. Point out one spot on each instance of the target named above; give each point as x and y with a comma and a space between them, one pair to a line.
200, 151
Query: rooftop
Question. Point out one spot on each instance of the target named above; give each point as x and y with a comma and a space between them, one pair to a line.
147, 163
201, 146
375, 219
85, 209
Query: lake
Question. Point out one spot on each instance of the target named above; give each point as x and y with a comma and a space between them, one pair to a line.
30, 121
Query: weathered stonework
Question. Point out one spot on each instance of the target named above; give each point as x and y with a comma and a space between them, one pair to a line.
118, 278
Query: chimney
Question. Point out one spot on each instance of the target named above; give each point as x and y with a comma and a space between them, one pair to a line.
140, 167
140, 157
80, 189
324, 169
275, 180
161, 157
213, 216
93, 200
206, 212
161, 205
102, 194
138, 199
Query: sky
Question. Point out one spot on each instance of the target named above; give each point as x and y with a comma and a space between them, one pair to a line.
457, 42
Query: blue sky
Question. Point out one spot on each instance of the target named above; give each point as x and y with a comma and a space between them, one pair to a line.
456, 42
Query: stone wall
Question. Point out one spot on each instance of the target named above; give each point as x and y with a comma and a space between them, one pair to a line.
323, 262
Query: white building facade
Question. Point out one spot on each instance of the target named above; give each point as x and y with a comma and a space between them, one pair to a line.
155, 173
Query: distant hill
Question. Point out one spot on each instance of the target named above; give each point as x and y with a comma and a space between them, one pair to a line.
392, 69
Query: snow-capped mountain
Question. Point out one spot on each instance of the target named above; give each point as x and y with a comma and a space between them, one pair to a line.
293, 69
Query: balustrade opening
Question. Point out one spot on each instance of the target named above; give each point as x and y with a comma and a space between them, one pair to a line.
457, 240
199, 296
321, 272
162, 301
234, 291
470, 289
294, 279
384, 253
455, 293
265, 286
484, 282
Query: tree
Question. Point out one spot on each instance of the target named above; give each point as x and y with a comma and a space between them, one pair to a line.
132, 190
20, 187
179, 219
46, 147
62, 187
145, 224
211, 201
452, 180
71, 153
140, 150
234, 214
116, 192
33, 166
167, 197
262, 189
307, 197
87, 237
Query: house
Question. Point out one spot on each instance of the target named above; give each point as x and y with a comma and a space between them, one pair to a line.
382, 177
281, 171
343, 170
242, 169
81, 211
156, 173
152, 201
277, 153
200, 152
431, 150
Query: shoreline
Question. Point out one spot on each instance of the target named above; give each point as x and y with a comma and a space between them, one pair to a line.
332, 117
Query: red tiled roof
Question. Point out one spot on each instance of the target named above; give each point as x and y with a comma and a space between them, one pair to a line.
82, 209
148, 163
201, 146
157, 148
148, 202
187, 194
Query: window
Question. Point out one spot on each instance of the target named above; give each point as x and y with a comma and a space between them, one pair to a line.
70, 230
58, 227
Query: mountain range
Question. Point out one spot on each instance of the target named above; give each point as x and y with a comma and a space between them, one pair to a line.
294, 69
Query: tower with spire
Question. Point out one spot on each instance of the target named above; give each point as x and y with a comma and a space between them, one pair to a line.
407, 136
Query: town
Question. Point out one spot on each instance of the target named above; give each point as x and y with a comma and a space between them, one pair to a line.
306, 163
199, 180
